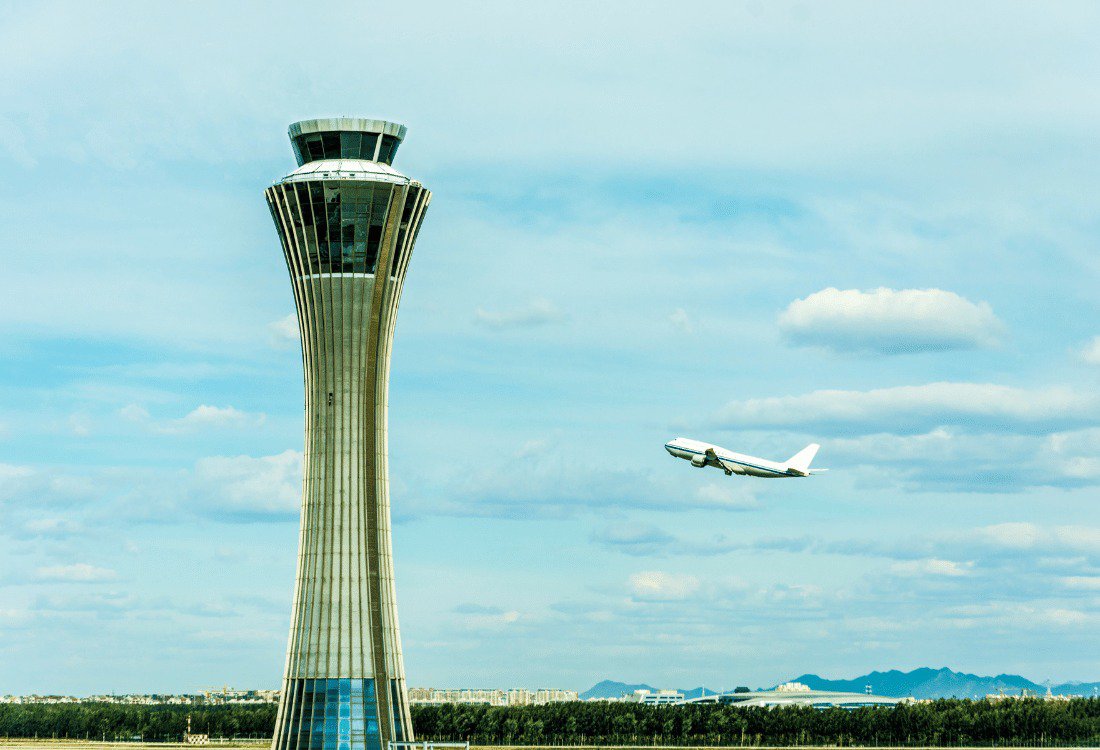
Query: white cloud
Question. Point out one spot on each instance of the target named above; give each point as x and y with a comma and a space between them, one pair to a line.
889, 321
733, 495
15, 479
557, 478
80, 424
1064, 617
952, 458
215, 416
932, 567
13, 471
134, 413
654, 585
236, 485
284, 331
76, 573
1002, 615
50, 526
1090, 352
634, 538
538, 313
916, 408
202, 416
1030, 537
13, 142
1074, 454
475, 617
14, 616
681, 321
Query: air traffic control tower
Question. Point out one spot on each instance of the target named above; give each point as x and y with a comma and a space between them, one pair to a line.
347, 221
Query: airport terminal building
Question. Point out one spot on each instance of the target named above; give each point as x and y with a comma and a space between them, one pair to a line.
797, 694
347, 221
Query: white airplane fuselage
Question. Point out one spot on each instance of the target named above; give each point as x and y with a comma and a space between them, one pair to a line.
702, 454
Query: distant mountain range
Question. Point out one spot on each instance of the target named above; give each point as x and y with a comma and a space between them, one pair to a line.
942, 683
612, 689
920, 683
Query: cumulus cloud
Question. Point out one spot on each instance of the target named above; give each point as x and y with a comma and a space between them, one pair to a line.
1074, 454
80, 424
14, 144
284, 331
953, 458
14, 471
539, 312
931, 567
556, 479
889, 321
135, 413
634, 538
681, 321
731, 495
1030, 537
1005, 615
949, 554
479, 617
51, 526
657, 586
13, 479
76, 573
201, 417
215, 416
919, 408
249, 486
1090, 352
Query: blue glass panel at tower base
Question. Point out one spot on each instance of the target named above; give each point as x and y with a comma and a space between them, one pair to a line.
332, 714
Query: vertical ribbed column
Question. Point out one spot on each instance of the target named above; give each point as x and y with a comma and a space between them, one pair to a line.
344, 686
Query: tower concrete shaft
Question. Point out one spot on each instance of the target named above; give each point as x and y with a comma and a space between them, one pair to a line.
347, 222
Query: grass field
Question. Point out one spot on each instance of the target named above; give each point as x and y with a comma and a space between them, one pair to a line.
83, 745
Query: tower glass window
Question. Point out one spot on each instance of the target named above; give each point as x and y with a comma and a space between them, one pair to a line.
346, 145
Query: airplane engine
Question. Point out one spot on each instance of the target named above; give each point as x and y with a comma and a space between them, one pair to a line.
699, 461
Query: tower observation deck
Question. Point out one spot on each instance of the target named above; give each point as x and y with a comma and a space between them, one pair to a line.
347, 221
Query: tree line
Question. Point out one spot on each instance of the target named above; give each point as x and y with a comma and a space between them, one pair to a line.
943, 722
152, 723
1025, 722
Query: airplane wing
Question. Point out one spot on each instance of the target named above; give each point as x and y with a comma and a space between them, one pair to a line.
727, 466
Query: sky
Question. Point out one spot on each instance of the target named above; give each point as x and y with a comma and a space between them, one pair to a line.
868, 225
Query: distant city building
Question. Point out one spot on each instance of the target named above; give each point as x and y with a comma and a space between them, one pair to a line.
656, 697
230, 695
513, 697
792, 687
216, 696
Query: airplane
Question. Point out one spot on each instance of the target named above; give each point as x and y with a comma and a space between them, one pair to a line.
705, 454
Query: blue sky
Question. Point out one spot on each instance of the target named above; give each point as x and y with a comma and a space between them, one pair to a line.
867, 225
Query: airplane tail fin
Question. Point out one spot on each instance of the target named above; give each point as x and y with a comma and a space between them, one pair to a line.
801, 460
